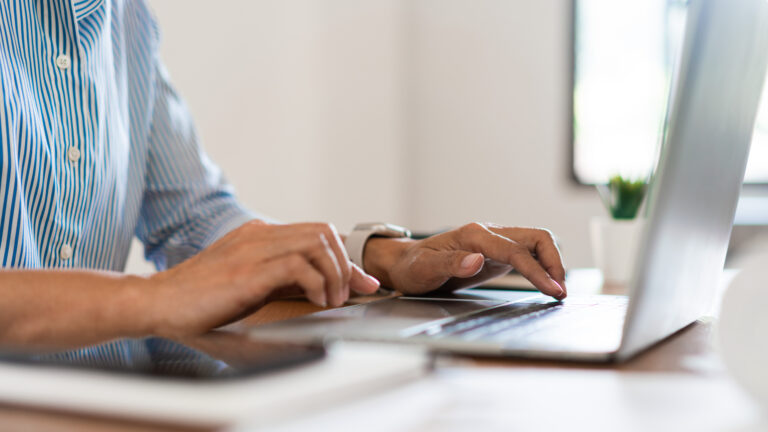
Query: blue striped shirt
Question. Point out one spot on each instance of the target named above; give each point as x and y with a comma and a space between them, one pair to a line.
96, 146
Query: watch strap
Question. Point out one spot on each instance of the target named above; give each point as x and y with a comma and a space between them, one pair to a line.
355, 245
357, 239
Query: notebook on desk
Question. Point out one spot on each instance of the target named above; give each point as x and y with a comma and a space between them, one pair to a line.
214, 381
690, 211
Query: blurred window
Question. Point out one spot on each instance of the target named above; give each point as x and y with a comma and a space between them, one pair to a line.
624, 54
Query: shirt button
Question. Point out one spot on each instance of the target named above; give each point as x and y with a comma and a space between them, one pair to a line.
65, 252
73, 154
63, 62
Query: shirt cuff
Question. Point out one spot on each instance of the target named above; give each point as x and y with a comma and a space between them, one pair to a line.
234, 217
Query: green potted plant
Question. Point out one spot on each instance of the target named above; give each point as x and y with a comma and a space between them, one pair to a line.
615, 239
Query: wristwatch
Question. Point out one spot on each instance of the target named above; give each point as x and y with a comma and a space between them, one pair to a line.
356, 240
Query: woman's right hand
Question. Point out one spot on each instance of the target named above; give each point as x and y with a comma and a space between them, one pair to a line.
236, 275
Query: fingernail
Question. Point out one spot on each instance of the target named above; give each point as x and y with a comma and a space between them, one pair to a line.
557, 288
373, 280
471, 260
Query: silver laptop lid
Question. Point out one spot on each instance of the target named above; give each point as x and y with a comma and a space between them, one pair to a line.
696, 187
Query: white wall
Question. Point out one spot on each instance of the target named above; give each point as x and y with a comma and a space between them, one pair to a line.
488, 118
295, 99
428, 113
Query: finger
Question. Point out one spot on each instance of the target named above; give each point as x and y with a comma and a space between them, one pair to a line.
534, 272
323, 257
477, 238
543, 243
464, 264
361, 282
337, 246
550, 258
443, 265
290, 270
334, 242
316, 248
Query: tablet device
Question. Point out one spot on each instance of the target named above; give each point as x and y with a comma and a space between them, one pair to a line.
214, 356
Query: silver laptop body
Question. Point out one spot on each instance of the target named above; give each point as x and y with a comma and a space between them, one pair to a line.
691, 205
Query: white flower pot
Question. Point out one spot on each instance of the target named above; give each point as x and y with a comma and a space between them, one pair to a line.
615, 243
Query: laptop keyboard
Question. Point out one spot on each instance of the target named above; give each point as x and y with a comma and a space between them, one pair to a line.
517, 320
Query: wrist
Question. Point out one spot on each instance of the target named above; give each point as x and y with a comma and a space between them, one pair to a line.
134, 306
380, 256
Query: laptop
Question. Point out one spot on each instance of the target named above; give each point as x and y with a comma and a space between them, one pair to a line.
691, 206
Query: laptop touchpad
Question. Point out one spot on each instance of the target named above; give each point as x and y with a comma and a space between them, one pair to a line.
379, 319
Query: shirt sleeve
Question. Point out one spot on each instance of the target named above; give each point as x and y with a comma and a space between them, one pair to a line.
187, 204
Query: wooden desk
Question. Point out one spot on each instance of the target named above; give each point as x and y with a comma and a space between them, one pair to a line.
689, 352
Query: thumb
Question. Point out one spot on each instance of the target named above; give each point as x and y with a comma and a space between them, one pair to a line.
361, 282
463, 264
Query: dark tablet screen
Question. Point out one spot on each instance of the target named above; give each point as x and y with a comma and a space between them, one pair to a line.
214, 356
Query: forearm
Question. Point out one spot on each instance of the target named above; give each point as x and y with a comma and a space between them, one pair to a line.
62, 309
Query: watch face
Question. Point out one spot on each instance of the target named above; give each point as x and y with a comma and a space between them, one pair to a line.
370, 226
384, 229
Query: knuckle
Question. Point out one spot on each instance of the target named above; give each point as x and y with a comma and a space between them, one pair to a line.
326, 229
332, 234
545, 234
473, 228
319, 241
331, 228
